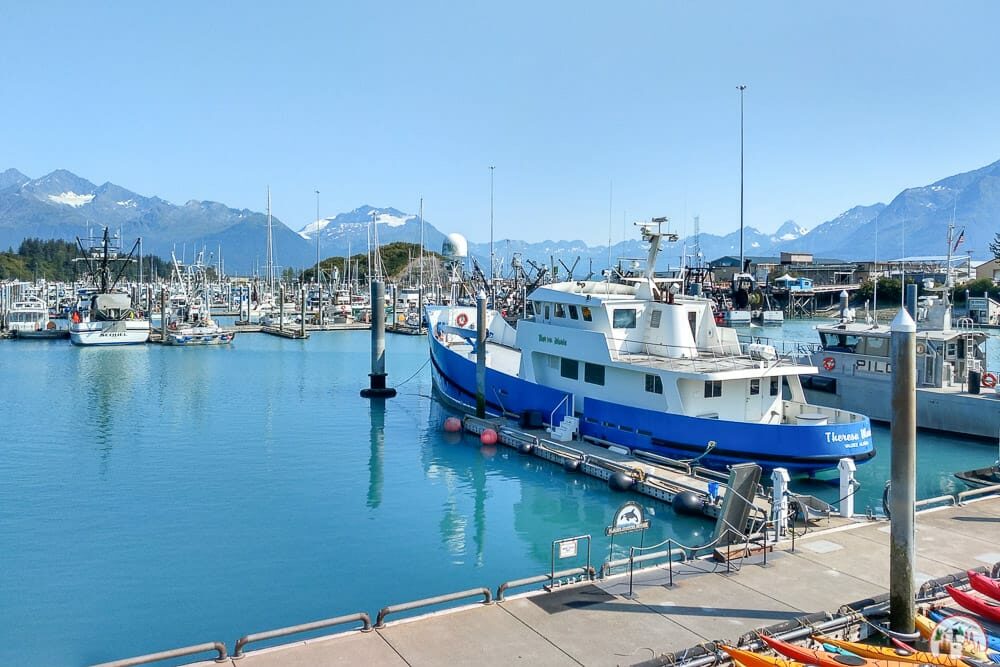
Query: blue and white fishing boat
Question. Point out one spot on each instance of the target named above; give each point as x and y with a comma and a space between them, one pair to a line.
641, 366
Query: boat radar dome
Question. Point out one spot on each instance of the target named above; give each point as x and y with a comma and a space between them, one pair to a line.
455, 247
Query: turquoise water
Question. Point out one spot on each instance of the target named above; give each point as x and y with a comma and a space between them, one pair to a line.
155, 497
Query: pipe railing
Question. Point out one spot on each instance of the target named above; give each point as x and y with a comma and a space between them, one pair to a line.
982, 491
946, 500
542, 578
303, 627
218, 647
429, 602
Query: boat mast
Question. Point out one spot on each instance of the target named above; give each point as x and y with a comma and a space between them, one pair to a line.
270, 257
420, 279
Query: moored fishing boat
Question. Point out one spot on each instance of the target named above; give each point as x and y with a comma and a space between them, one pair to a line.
109, 318
30, 318
640, 366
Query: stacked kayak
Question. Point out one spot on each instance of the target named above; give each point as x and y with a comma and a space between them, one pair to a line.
988, 609
889, 653
823, 659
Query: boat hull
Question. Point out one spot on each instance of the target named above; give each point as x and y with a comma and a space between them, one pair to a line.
120, 332
974, 415
183, 338
798, 448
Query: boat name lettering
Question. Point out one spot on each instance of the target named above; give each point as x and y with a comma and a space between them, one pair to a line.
873, 366
851, 440
550, 339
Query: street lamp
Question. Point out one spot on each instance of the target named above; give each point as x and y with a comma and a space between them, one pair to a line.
742, 87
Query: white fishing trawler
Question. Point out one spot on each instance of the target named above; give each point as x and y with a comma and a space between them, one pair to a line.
641, 366
110, 318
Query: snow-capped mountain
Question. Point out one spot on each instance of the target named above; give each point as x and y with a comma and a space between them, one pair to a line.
64, 205
350, 231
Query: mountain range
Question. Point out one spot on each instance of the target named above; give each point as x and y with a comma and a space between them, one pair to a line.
63, 205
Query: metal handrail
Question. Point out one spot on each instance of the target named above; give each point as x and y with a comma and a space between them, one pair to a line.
303, 627
927, 502
427, 602
552, 415
537, 579
172, 653
983, 491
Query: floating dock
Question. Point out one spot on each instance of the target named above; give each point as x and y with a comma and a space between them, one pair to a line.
652, 617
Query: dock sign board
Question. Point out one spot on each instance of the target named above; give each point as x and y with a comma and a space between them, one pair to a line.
630, 517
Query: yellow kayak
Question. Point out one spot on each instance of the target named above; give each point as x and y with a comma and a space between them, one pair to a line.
751, 659
890, 653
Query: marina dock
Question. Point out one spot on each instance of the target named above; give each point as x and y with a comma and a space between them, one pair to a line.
837, 570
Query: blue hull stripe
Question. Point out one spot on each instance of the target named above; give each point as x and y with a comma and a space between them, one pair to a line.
800, 448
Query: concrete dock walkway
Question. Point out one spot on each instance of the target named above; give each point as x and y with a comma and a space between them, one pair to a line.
595, 623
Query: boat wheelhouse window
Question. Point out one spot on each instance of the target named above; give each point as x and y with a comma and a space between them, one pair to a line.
624, 318
593, 373
775, 385
529, 308
560, 310
840, 342
654, 384
713, 388
951, 350
654, 319
587, 317
547, 315
573, 314
755, 387
570, 368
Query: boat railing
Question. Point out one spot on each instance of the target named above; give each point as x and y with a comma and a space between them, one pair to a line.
552, 415
714, 359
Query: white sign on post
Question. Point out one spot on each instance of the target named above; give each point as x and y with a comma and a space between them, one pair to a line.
567, 549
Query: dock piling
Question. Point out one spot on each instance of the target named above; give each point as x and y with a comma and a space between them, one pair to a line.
377, 388
281, 308
779, 501
847, 467
902, 549
302, 320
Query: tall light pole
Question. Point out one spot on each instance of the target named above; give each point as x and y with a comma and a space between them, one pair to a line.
317, 237
492, 260
741, 88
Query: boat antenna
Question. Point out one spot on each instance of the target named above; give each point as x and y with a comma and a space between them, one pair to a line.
611, 193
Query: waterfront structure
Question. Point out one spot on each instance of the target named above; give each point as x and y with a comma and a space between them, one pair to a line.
639, 365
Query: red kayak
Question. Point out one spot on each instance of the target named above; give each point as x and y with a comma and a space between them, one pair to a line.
985, 608
985, 585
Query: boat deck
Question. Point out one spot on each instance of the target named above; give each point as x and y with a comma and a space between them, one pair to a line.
599, 623
706, 363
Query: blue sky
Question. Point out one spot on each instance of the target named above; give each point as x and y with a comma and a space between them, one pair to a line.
385, 103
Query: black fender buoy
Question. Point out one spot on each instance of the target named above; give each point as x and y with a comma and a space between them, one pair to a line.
525, 447
687, 502
571, 465
620, 481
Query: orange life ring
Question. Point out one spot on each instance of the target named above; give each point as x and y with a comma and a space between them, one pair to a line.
462, 319
989, 380
829, 363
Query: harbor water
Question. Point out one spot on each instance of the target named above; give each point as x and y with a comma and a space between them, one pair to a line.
155, 497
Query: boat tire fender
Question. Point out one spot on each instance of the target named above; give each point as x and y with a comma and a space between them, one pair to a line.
885, 500
989, 380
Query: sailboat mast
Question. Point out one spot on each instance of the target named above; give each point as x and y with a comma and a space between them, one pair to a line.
270, 258
420, 279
